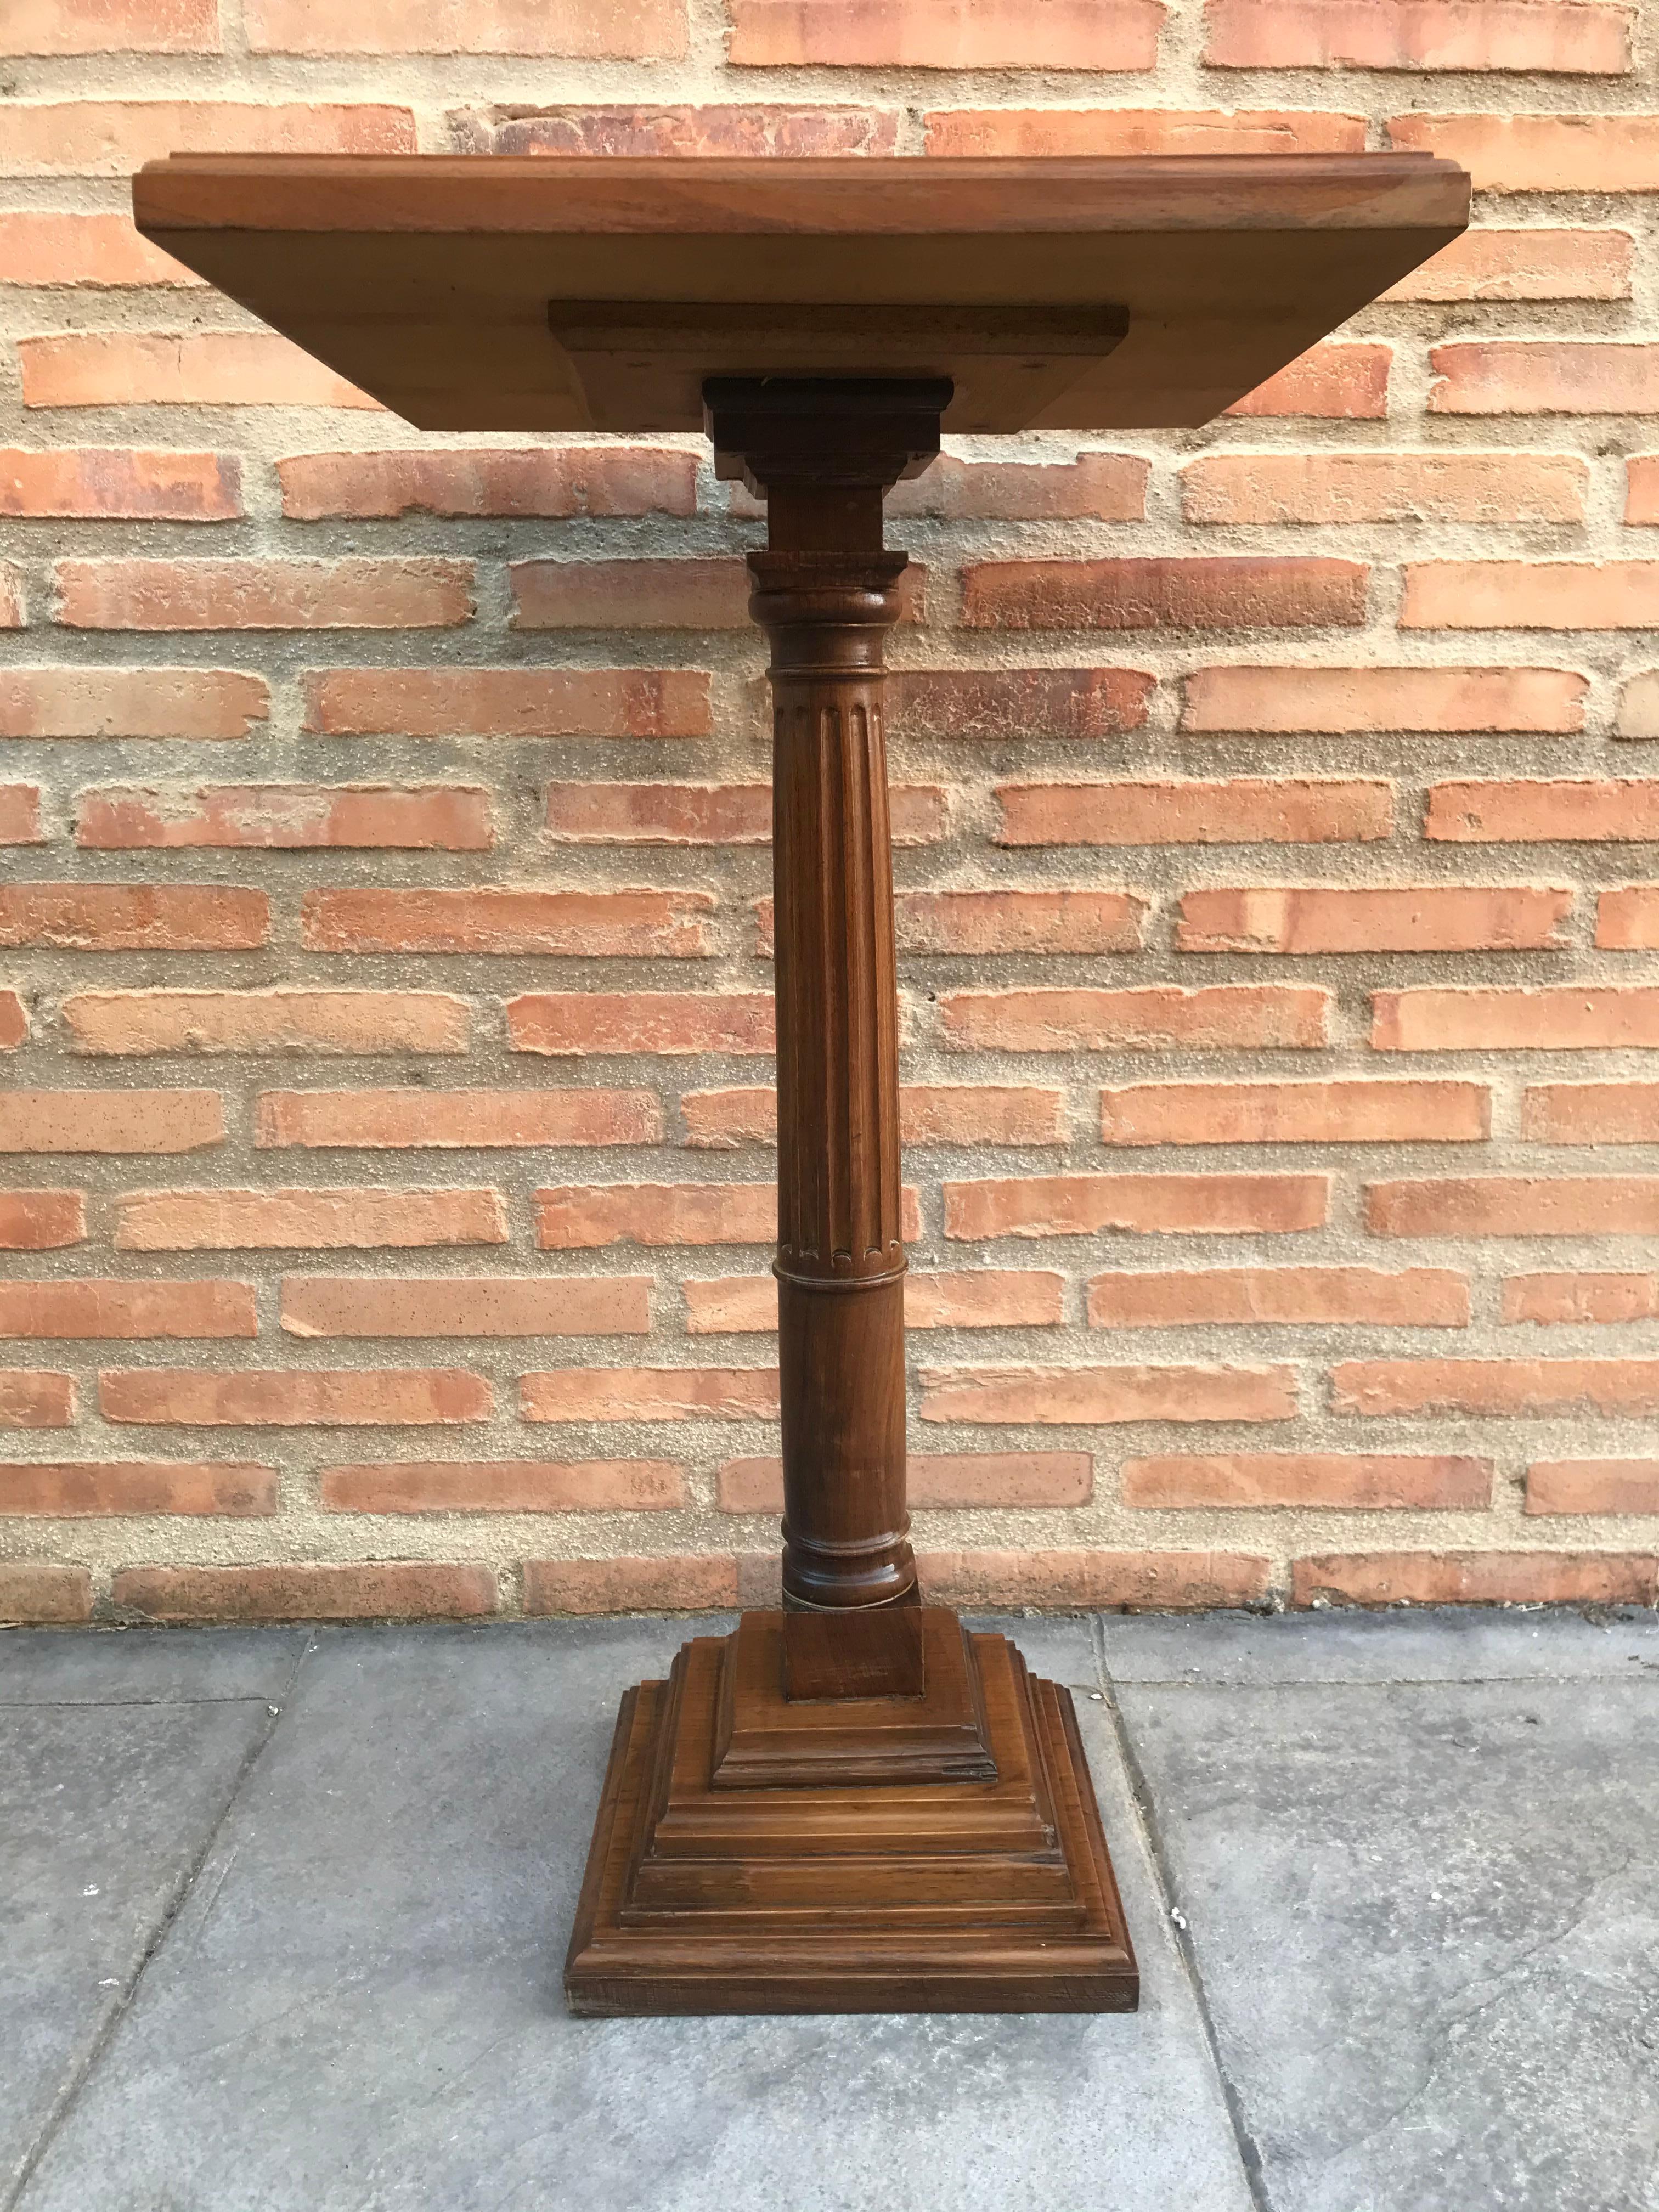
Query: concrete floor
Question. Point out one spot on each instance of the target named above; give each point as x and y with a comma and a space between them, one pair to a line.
282, 1916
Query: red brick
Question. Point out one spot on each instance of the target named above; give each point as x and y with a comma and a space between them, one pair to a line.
749, 129
608, 30
1530, 595
12, 613
643, 594
1523, 264
466, 1305
651, 1393
116, 482
1638, 707
959, 1298
1237, 810
1421, 1298
681, 1582
1145, 1205
369, 1590
291, 1398
34, 1594
458, 1120
993, 1480
187, 704
1128, 1582
1095, 487
1551, 811
188, 368
1343, 382
657, 1213
71, 1490
508, 702
1039, 921
41, 247
1506, 1388
577, 1022
429, 817
349, 594
78, 1307
1544, 376
90, 26
1002, 703
114, 137
41, 1220
707, 813
505, 1485
1366, 1484
1334, 1110
1360, 702
929, 1113
1476, 1578
647, 924
1514, 1205
14, 1021
1225, 1018
19, 815
291, 1220
110, 1121
1078, 1396
1581, 1298
1561, 153
1592, 1485
539, 480
1412, 918
1517, 35
1240, 593
129, 1022
1590, 1114
1070, 133
1569, 1018
944, 34
133, 918
1627, 920
32, 1399
1355, 488
1642, 489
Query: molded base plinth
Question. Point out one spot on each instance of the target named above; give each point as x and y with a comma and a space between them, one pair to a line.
886, 1896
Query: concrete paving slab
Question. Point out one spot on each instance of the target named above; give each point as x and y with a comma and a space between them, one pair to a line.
1062, 1646
146, 1666
1427, 1922
358, 2008
103, 1813
1448, 1644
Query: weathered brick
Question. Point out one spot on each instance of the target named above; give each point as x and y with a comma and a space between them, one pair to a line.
505, 1485
746, 129
695, 1581
90, 26
129, 1022
547, 480
1563, 153
32, 1398
935, 1480
458, 1120
465, 1305
1233, 811
1592, 1485
402, 1590
1529, 595
41, 1220
955, 1298
81, 1307
651, 1393
1476, 1578
588, 30
14, 1021
42, 247
1346, 1483
430, 817
1145, 1205
212, 704
1514, 1205
583, 1217
649, 923
194, 369
1627, 920
1515, 35
133, 918
1523, 264
116, 482
1565, 1017
929, 1113
1507, 1389
1590, 1114
12, 612
970, 921
1000, 703
293, 1397
110, 1121
1545, 1298
1233, 593
250, 594
1555, 811
707, 813
71, 1490
19, 815
1323, 1110
576, 1023
1360, 702
1355, 487
35, 1594
114, 137
1544, 376
1413, 917
1642, 489
944, 34
291, 1220
1095, 487
680, 593
508, 702
1029, 133
1225, 1018
1420, 1297
1638, 707
1073, 1396
1346, 383
1073, 1581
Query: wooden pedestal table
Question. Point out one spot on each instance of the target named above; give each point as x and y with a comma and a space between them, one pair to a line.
851, 1804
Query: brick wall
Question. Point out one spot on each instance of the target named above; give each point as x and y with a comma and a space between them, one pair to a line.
384, 914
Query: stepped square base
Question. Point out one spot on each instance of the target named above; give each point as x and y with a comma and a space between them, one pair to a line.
991, 1894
